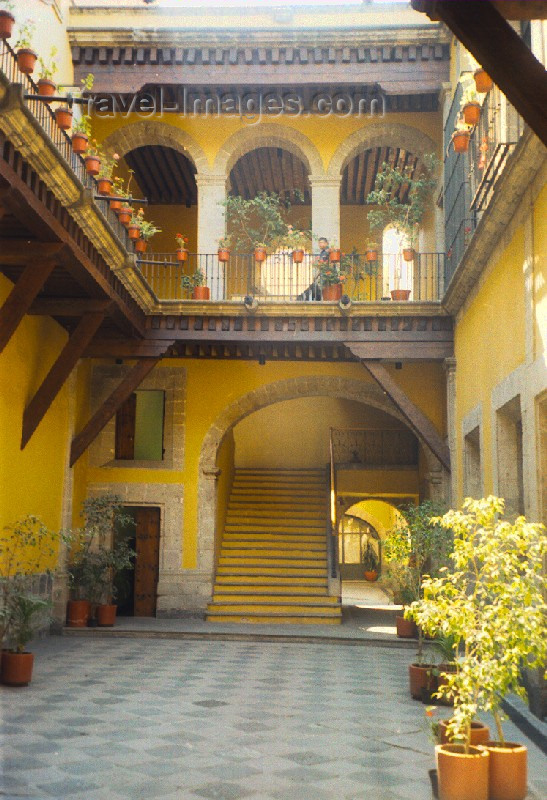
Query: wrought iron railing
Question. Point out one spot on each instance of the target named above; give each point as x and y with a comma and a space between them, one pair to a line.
43, 112
372, 447
332, 525
280, 279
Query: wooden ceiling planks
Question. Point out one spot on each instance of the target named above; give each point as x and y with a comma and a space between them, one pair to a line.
359, 175
164, 175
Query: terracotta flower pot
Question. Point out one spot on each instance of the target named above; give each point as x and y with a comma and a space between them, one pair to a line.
63, 117
480, 733
16, 668
409, 253
508, 771
371, 255
472, 113
46, 87
115, 205
79, 143
400, 294
483, 81
223, 254
406, 628
77, 613
106, 615
141, 245
201, 293
333, 292
460, 140
6, 24
104, 186
371, 575
462, 776
133, 231
420, 677
298, 256
260, 253
26, 60
124, 214
182, 254
92, 165
335, 255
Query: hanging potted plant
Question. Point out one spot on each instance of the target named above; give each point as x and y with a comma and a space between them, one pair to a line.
182, 251
81, 131
335, 254
46, 84
148, 230
400, 198
371, 251
26, 549
370, 563
196, 283
64, 115
134, 227
483, 81
224, 249
117, 192
260, 252
492, 600
104, 177
461, 136
6, 19
297, 242
125, 214
93, 158
470, 107
26, 56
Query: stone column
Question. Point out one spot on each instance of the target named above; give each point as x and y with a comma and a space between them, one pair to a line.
450, 368
211, 228
207, 512
325, 201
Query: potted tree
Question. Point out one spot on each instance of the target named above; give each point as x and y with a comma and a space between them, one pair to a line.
46, 84
27, 547
6, 19
421, 546
400, 199
196, 283
26, 56
182, 251
148, 230
493, 601
370, 563
115, 559
256, 225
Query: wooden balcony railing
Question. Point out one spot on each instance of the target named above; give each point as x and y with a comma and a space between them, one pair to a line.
279, 279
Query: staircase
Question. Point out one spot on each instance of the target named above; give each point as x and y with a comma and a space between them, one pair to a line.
273, 563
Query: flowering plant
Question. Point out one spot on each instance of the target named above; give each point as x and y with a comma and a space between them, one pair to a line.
181, 241
137, 217
330, 273
191, 281
108, 164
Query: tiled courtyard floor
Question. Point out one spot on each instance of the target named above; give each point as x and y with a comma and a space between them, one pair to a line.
132, 719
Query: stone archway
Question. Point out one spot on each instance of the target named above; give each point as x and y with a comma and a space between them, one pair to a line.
140, 134
267, 135
305, 386
381, 134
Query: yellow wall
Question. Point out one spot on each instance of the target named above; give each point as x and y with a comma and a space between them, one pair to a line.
213, 385
490, 344
540, 273
295, 433
50, 31
31, 481
388, 483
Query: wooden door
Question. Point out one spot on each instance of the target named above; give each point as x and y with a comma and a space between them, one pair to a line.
147, 545
125, 429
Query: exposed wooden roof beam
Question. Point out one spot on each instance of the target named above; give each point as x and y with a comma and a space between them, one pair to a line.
67, 307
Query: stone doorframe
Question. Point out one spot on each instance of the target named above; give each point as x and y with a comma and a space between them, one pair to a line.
306, 386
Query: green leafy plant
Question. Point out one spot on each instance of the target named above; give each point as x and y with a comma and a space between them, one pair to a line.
370, 559
260, 221
82, 125
191, 281
491, 601
28, 614
296, 239
390, 209
148, 230
225, 243
108, 165
137, 218
87, 82
48, 69
26, 34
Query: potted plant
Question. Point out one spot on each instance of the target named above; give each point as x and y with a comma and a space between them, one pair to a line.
148, 230
27, 547
492, 600
46, 84
93, 158
224, 249
335, 254
81, 131
182, 251
117, 193
421, 546
196, 283
116, 559
297, 242
256, 225
461, 136
104, 177
470, 106
404, 213
371, 251
399, 582
6, 19
260, 251
483, 81
370, 563
125, 213
26, 56
134, 227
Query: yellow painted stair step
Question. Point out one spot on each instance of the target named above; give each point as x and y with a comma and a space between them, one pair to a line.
272, 619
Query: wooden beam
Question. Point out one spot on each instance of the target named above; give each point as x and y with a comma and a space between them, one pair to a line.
498, 48
25, 251
21, 296
59, 372
67, 306
104, 414
417, 420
